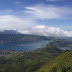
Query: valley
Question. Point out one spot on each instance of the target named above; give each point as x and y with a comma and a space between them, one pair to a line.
47, 59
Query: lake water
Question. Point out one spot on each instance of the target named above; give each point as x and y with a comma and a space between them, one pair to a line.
24, 46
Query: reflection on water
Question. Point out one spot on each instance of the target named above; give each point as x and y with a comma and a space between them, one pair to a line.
24, 46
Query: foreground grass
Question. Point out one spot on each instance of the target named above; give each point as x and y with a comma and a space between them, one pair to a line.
60, 63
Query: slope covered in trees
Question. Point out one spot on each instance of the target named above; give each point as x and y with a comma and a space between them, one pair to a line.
60, 63
26, 61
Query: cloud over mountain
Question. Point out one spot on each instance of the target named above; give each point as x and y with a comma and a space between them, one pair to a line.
40, 30
46, 31
34, 19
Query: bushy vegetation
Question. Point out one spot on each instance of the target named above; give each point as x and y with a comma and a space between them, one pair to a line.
48, 59
61, 42
60, 63
26, 61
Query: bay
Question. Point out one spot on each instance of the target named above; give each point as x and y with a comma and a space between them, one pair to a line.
24, 46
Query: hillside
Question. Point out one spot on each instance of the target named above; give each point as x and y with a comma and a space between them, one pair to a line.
11, 61
61, 63
61, 42
7, 38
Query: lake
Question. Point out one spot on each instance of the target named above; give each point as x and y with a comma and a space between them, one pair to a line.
24, 46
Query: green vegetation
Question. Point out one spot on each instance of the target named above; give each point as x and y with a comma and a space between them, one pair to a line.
60, 63
48, 59
61, 42
26, 61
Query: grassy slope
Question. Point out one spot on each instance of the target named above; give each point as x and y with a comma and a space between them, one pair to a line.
27, 62
61, 63
61, 42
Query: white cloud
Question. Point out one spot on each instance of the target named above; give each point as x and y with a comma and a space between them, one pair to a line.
54, 0
49, 12
17, 2
46, 31
11, 22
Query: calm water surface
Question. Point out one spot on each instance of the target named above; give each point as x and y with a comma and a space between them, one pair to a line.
24, 46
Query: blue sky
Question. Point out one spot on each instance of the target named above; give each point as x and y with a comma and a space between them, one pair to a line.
22, 14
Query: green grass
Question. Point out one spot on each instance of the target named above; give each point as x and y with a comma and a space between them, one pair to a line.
26, 61
60, 63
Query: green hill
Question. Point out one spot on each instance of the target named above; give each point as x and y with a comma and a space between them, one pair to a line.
60, 63
61, 42
26, 61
